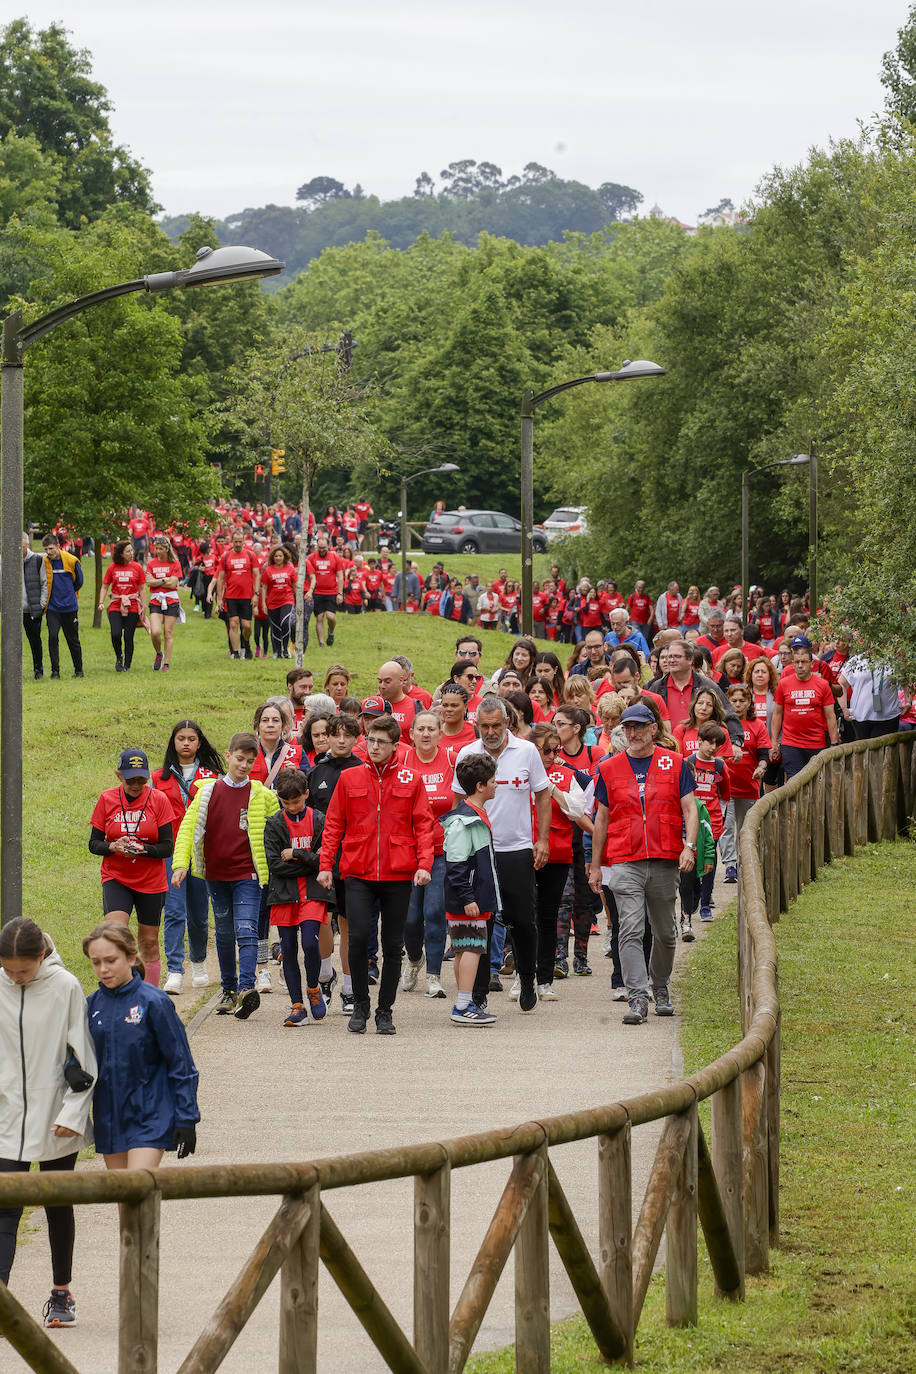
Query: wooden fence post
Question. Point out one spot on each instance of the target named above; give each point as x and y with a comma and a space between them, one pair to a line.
849, 803
532, 1281
860, 798
802, 852
681, 1232
728, 1163
138, 1304
875, 790
819, 821
889, 793
615, 1229
903, 788
431, 1257
773, 1088
299, 1295
756, 1170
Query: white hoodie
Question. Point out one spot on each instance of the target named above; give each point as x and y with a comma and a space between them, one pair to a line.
37, 1023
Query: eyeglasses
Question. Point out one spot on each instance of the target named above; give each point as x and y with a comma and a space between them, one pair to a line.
469, 653
376, 741
549, 748
473, 677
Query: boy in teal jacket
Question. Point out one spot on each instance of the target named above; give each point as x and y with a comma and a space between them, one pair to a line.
471, 885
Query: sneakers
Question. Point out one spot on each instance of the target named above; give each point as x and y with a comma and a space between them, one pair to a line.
448, 956
561, 968
546, 993
637, 1012
410, 975
276, 952
79, 673
618, 994
609, 946
247, 652
119, 664
495, 984
172, 984
687, 934
705, 913
249, 1001
227, 1003
384, 1021
581, 967
346, 1004
165, 667
330, 638
262, 981
328, 986
373, 972
528, 997
55, 673
200, 978
157, 663
316, 1004
358, 1017
731, 873
508, 965
433, 987
662, 1001
60, 1309
472, 1016
297, 1015
515, 991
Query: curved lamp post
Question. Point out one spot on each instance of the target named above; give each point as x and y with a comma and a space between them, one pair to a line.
213, 267
630, 371
424, 472
747, 476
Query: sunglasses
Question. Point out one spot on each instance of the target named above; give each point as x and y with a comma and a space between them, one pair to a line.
469, 653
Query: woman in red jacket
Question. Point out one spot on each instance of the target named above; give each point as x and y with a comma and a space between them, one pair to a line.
550, 880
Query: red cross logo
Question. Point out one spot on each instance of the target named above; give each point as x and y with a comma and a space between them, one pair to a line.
518, 782
666, 763
405, 775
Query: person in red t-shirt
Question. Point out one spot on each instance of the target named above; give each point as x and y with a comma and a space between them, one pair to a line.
373, 580
326, 574
744, 774
425, 925
639, 609
278, 599
238, 583
125, 581
298, 906
457, 730
733, 631
132, 831
163, 573
713, 791
364, 513
690, 612
802, 713
140, 527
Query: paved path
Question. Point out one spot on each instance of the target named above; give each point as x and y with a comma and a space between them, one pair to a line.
268, 1093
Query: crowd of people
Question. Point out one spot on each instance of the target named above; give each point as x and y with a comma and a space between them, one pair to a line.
485, 819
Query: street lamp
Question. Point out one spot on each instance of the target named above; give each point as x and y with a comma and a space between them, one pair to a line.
213, 267
630, 371
425, 472
797, 461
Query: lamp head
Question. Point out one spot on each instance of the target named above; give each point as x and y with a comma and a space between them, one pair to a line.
630, 370
217, 267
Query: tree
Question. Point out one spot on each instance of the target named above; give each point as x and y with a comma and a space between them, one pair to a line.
424, 185
29, 180
619, 201
319, 190
47, 91
898, 72
298, 395
725, 207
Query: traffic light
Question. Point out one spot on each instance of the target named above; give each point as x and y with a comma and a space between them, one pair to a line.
259, 472
277, 463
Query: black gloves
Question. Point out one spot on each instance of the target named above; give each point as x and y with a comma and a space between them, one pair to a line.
185, 1141
77, 1077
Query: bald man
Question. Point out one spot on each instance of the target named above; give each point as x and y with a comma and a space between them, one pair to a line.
391, 679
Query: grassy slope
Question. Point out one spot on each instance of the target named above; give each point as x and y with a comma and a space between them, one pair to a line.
841, 1293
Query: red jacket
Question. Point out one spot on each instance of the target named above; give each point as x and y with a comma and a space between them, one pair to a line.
180, 800
561, 827
384, 822
632, 836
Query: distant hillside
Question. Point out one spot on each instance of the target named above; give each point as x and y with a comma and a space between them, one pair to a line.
535, 208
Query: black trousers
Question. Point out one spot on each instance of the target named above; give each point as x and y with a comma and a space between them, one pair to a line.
874, 729
68, 622
515, 871
122, 628
549, 882
390, 900
61, 1228
32, 626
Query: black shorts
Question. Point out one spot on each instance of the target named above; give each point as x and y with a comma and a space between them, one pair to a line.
118, 897
172, 609
238, 607
321, 604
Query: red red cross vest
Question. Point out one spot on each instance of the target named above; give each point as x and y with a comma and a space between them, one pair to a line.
631, 835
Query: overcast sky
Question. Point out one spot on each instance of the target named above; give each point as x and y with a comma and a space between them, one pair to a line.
237, 104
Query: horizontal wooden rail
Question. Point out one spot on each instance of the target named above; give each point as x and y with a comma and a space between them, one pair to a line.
845, 797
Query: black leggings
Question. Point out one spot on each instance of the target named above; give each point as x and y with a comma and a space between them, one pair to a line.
550, 882
261, 630
290, 937
281, 623
61, 1229
126, 625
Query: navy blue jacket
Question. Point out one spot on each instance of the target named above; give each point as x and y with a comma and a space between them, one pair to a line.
147, 1083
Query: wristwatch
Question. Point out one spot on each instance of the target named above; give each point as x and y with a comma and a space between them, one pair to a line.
688, 845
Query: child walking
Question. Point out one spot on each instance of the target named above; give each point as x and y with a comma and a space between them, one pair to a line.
297, 902
471, 885
713, 791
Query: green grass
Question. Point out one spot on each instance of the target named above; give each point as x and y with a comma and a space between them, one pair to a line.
841, 1291
73, 732
486, 565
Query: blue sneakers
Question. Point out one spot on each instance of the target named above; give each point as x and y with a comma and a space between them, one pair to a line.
298, 1016
60, 1309
705, 914
316, 1003
472, 1016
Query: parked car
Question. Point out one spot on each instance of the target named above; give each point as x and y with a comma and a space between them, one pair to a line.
567, 520
478, 531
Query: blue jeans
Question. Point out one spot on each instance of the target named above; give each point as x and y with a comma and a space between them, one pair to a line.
426, 920
185, 907
235, 922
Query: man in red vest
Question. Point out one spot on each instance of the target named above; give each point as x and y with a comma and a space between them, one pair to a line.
645, 833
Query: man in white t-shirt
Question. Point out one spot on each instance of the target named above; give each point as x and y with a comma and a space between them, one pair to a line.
520, 775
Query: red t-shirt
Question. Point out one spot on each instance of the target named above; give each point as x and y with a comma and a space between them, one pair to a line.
324, 570
353, 591
227, 850
590, 616
125, 581
453, 744
301, 832
372, 580
437, 778
116, 816
404, 712
640, 608
803, 704
363, 510
712, 790
691, 614
741, 773
139, 526
750, 651
760, 705
279, 585
433, 598
239, 569
673, 607
158, 568
688, 742
421, 695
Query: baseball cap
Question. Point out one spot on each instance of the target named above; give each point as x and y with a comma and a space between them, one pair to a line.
133, 763
801, 642
375, 706
638, 714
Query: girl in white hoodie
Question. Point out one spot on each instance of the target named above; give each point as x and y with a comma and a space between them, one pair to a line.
47, 1072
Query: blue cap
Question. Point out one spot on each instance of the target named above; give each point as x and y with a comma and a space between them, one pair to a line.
133, 763
801, 642
637, 714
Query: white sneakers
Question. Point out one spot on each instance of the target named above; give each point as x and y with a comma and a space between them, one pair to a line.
262, 981
546, 992
409, 976
173, 984
200, 978
515, 991
433, 987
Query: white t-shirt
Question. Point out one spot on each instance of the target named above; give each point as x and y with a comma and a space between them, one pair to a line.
519, 772
874, 691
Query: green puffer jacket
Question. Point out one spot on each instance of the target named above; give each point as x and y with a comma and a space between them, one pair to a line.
189, 842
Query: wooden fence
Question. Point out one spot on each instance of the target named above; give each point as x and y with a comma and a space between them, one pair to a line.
848, 796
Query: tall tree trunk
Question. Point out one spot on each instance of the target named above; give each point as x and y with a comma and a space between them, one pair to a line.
99, 574
300, 576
